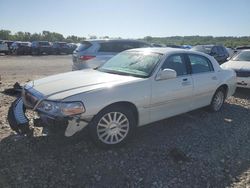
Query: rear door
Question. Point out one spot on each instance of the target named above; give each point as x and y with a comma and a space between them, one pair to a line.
204, 79
172, 96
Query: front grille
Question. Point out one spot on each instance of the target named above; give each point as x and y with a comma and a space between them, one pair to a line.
243, 73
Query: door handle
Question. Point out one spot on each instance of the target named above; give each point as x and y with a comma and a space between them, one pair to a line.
184, 79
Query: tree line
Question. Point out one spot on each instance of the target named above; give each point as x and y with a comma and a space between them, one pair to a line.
197, 40
43, 36
174, 40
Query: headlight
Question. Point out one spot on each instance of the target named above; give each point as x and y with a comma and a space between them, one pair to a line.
74, 108
61, 108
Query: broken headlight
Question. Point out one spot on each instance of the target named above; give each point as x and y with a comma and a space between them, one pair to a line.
61, 108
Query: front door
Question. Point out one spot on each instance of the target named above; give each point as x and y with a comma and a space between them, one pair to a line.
172, 96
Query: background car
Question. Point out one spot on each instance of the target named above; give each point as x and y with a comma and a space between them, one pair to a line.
60, 48
72, 47
93, 53
4, 47
217, 51
243, 47
40, 47
20, 48
241, 64
231, 52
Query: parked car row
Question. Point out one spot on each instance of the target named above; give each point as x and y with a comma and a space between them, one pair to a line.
36, 47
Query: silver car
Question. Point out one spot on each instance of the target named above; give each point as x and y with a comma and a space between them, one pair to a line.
94, 53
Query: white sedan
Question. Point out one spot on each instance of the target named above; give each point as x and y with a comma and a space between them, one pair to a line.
134, 88
241, 64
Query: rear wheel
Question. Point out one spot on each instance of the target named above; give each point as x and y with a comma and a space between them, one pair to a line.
218, 100
112, 126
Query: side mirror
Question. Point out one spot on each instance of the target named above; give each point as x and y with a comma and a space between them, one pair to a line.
166, 74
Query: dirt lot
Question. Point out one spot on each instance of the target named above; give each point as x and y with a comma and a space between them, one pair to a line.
197, 149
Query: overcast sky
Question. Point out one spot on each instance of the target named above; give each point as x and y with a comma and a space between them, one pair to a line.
128, 18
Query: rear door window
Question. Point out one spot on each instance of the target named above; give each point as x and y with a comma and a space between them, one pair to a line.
121, 46
107, 47
200, 64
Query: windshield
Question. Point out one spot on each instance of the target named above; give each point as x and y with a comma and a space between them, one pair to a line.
242, 56
138, 64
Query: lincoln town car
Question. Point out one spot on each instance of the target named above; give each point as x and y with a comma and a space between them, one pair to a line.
134, 88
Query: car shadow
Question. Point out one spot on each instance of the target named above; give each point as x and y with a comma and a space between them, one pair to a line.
195, 149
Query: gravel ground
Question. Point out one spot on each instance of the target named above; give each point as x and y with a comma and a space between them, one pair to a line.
196, 149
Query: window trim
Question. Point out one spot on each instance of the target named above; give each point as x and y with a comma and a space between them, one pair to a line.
210, 64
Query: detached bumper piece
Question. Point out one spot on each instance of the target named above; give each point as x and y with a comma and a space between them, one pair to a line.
17, 118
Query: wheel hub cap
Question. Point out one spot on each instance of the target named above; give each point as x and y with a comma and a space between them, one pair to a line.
113, 127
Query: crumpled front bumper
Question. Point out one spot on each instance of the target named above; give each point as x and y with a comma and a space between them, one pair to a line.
20, 123
17, 118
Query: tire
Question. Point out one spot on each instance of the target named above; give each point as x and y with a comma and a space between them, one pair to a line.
217, 100
106, 132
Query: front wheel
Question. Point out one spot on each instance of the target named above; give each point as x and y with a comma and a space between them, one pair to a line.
217, 100
112, 126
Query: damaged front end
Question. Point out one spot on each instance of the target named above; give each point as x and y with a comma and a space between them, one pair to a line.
65, 115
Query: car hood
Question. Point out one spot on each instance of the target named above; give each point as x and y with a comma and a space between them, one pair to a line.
67, 84
237, 65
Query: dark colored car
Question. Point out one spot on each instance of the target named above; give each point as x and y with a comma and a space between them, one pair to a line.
60, 47
219, 52
72, 47
20, 48
41, 47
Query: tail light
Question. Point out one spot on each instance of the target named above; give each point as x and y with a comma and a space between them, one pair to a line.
86, 57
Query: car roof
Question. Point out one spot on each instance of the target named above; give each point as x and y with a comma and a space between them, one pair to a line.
161, 50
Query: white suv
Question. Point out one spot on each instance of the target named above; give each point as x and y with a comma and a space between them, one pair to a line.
4, 48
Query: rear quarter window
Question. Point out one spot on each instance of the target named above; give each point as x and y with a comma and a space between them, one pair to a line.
83, 46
